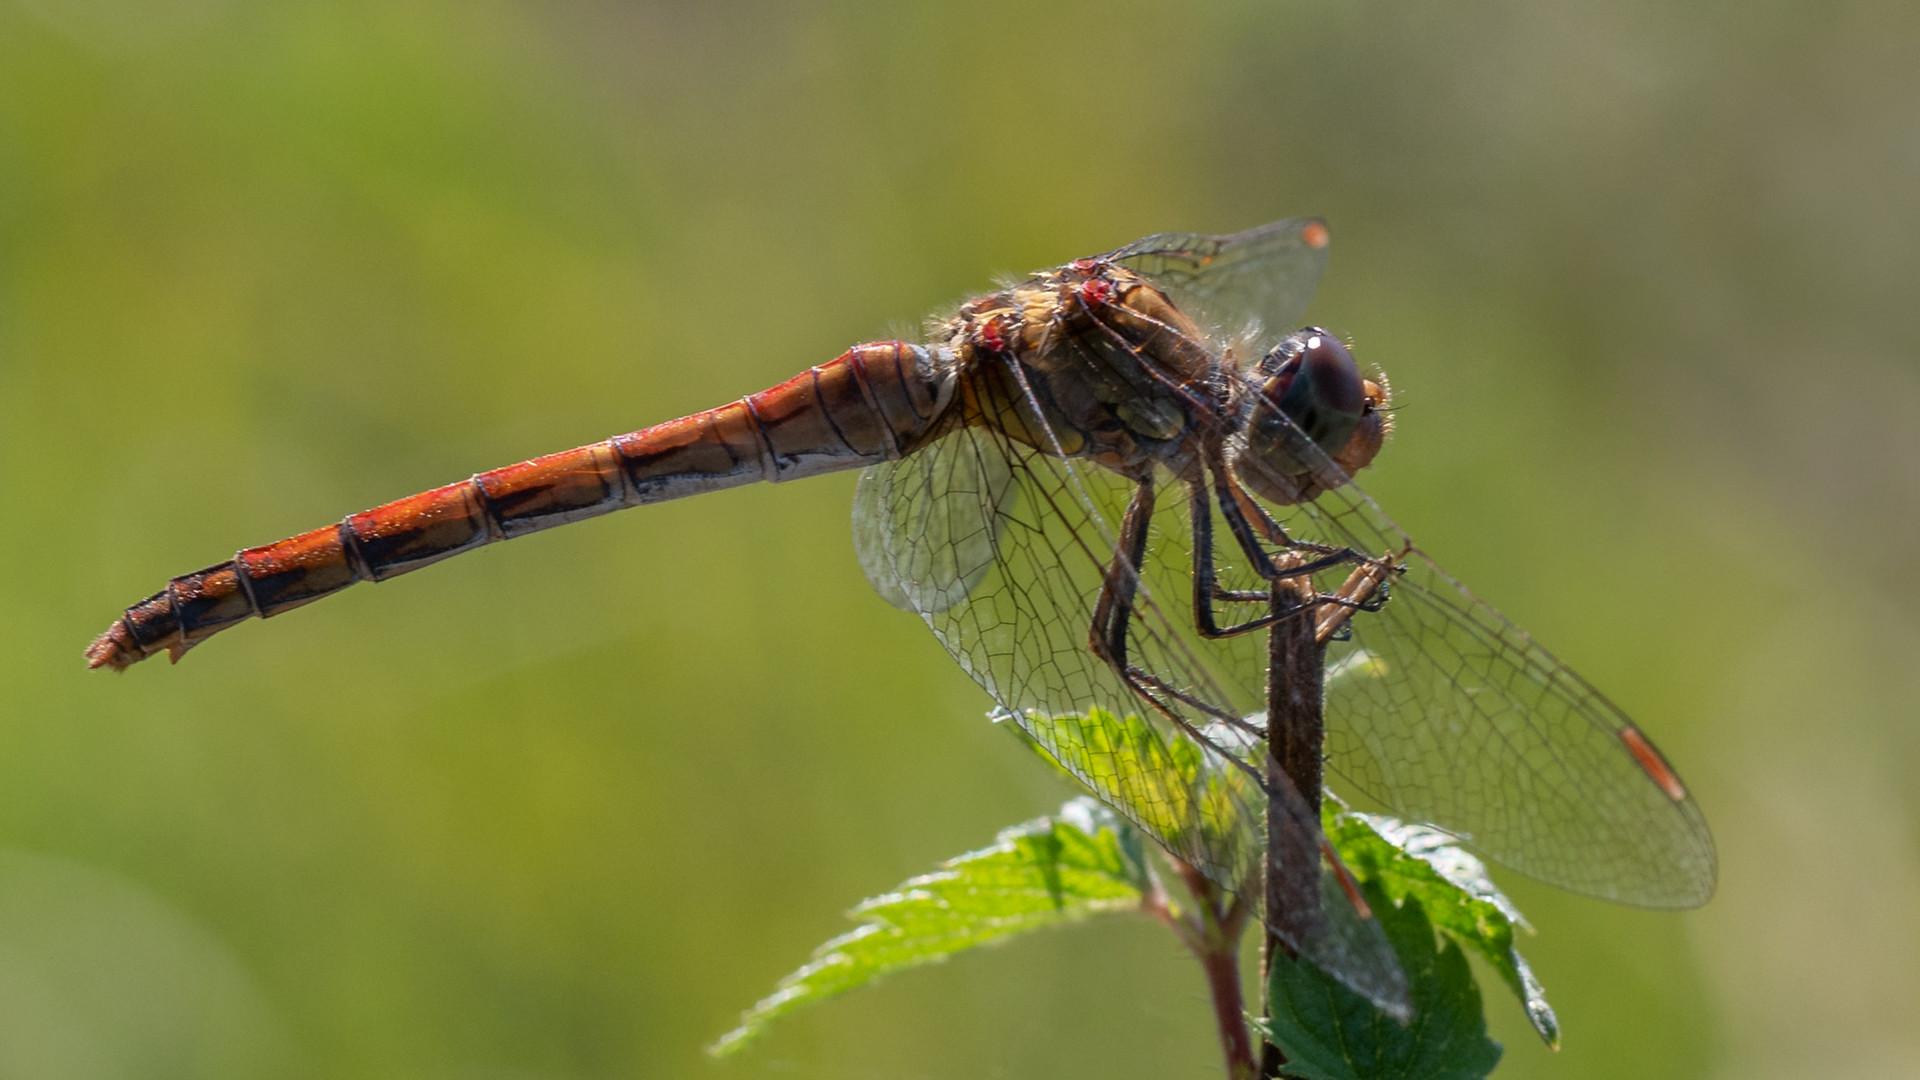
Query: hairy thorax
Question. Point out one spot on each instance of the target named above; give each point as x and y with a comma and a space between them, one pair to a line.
1104, 368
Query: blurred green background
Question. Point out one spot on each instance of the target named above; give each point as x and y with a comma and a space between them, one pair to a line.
1643, 276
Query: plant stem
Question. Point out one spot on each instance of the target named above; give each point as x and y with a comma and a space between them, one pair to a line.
1223, 980
1296, 730
1213, 935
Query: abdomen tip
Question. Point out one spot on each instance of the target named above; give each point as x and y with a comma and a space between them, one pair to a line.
106, 650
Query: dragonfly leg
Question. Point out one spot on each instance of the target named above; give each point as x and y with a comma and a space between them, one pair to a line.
1366, 589
1206, 584
1113, 613
1108, 636
1242, 513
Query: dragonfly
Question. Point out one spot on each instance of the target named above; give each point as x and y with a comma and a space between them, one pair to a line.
1087, 483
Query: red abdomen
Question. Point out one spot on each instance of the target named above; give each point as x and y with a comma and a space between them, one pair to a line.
870, 404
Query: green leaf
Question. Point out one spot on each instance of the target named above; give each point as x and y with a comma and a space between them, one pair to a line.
1331, 1033
1157, 782
1413, 861
1053, 870
1169, 785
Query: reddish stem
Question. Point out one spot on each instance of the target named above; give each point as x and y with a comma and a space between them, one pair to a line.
1223, 981
1214, 937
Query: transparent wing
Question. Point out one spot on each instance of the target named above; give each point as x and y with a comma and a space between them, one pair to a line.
1020, 626
1250, 286
956, 535
1443, 711
1462, 720
1438, 708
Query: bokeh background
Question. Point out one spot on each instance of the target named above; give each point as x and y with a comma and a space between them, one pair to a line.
1643, 275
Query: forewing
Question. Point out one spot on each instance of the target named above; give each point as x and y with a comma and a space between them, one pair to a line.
1440, 709
1454, 716
1020, 627
1248, 286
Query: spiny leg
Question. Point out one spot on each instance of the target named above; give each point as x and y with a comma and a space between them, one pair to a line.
1235, 504
1206, 584
1113, 614
1108, 636
1242, 513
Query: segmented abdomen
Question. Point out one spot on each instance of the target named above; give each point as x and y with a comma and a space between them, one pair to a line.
872, 403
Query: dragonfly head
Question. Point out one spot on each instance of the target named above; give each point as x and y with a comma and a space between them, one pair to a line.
1311, 391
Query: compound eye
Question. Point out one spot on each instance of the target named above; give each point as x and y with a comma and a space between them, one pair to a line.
1318, 386
1329, 369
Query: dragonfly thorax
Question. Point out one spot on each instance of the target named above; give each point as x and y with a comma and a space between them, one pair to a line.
1089, 361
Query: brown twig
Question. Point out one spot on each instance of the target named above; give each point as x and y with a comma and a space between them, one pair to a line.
1213, 935
1296, 735
1295, 731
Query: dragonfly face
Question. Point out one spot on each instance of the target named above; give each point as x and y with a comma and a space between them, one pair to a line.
1311, 391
